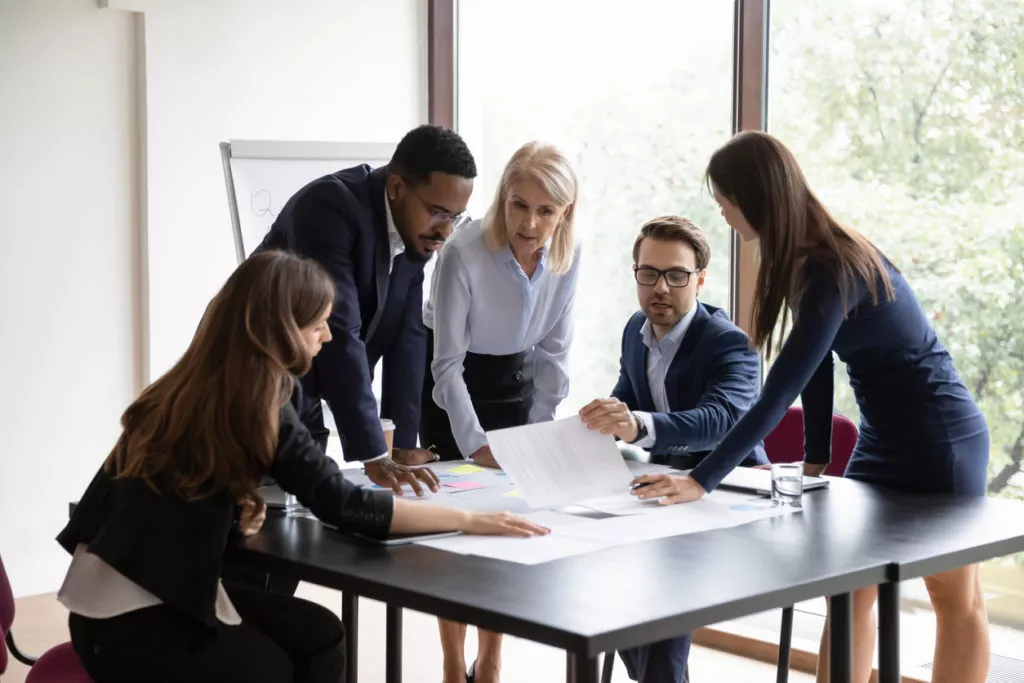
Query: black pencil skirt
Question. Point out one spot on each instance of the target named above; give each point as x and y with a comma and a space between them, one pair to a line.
500, 387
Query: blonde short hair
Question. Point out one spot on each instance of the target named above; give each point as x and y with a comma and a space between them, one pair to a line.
547, 166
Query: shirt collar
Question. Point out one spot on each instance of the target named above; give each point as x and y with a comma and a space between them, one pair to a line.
675, 335
394, 237
505, 255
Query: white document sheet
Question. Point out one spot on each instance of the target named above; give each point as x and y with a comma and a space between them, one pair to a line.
560, 462
511, 548
623, 503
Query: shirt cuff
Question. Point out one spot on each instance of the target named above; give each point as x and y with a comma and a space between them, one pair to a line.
648, 420
541, 411
379, 457
478, 442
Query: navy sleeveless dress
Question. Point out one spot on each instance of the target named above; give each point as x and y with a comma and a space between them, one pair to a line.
920, 429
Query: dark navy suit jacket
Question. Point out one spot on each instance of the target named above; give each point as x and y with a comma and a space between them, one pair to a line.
340, 221
710, 383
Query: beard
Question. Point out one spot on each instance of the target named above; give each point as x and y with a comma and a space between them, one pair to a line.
414, 250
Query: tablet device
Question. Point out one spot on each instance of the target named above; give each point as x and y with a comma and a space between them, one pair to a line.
760, 481
401, 539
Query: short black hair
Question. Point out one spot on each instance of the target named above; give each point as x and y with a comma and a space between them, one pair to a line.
427, 149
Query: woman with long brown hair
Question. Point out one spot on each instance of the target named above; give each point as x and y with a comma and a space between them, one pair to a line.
149, 534
920, 430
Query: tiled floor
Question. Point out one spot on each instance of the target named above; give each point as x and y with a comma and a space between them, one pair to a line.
41, 622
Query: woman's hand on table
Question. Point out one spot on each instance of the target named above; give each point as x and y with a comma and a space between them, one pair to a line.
251, 518
501, 524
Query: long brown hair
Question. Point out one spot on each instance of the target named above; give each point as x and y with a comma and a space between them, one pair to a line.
761, 177
210, 423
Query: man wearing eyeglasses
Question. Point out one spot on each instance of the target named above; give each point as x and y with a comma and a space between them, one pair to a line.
687, 374
374, 230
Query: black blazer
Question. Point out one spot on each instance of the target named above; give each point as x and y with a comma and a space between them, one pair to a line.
174, 548
340, 221
711, 382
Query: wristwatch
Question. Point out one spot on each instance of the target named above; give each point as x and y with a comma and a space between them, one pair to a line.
641, 428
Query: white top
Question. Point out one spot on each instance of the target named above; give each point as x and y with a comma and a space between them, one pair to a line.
660, 355
481, 301
394, 237
94, 589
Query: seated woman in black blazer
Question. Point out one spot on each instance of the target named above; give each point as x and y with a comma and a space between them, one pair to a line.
148, 536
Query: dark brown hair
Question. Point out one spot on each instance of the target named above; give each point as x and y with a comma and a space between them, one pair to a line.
675, 229
210, 423
759, 175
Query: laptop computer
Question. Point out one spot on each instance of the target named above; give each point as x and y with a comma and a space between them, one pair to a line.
760, 481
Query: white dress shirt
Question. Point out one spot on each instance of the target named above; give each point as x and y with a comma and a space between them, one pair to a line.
482, 302
94, 589
394, 237
660, 354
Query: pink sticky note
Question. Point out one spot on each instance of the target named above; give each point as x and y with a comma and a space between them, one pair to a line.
464, 485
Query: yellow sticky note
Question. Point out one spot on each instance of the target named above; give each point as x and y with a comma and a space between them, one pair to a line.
466, 469
514, 493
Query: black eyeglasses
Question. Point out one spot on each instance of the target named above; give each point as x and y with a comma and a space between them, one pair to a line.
674, 277
439, 216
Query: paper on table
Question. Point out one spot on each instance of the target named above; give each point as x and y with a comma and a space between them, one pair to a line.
480, 545
534, 550
621, 504
559, 462
627, 504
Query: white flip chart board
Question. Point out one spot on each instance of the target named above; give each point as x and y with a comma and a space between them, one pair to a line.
261, 175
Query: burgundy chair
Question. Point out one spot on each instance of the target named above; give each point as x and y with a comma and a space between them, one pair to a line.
786, 444
59, 664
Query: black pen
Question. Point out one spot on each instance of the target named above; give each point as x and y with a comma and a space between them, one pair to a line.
642, 484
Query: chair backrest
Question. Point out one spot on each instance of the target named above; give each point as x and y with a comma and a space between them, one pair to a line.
6, 614
844, 438
786, 441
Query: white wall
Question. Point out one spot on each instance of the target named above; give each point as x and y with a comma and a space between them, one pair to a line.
116, 230
352, 70
68, 149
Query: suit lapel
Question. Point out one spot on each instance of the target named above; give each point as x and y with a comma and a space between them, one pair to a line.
382, 245
686, 348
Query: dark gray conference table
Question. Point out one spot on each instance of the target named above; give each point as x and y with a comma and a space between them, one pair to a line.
849, 536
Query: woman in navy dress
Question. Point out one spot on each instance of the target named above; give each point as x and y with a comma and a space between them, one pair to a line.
920, 429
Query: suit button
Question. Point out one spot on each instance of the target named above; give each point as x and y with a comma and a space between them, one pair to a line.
518, 377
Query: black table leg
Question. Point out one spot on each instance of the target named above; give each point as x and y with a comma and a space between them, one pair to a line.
785, 645
393, 643
350, 619
889, 632
580, 668
841, 638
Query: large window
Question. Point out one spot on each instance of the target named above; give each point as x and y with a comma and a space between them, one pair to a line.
908, 120
638, 96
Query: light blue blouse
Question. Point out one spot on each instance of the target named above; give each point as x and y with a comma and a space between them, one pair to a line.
481, 301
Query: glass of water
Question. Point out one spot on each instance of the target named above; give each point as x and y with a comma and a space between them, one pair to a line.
293, 508
788, 484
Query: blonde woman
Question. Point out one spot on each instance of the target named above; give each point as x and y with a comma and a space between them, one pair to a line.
499, 325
